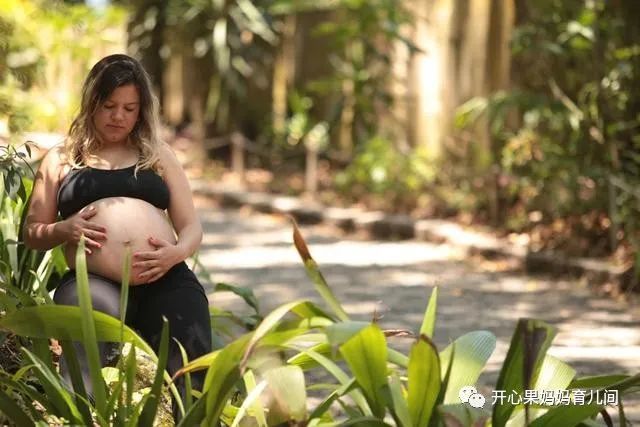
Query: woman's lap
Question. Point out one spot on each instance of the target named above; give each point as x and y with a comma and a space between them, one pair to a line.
178, 296
105, 293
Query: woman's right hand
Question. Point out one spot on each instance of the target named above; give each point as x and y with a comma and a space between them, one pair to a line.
78, 224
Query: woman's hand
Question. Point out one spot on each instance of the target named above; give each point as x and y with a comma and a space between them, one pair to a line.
77, 225
157, 262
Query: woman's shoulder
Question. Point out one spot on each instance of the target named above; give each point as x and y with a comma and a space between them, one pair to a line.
56, 161
167, 156
56, 154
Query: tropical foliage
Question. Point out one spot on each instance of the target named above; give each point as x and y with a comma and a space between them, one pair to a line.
46, 48
266, 376
566, 136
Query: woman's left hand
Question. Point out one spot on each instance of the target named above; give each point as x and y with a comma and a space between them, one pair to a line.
157, 262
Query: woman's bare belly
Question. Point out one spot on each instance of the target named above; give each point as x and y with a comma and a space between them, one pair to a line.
129, 222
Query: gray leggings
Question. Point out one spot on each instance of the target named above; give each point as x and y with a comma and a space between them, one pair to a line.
177, 295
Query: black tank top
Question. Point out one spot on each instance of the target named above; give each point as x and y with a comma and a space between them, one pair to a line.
81, 187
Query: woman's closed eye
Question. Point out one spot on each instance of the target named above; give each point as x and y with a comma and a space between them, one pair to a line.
127, 109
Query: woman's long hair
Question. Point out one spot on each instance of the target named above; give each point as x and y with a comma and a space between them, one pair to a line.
106, 75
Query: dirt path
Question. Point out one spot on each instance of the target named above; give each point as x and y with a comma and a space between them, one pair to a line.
595, 335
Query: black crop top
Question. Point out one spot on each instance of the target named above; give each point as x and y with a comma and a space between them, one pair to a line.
81, 187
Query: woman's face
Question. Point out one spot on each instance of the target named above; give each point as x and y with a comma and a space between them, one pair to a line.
116, 117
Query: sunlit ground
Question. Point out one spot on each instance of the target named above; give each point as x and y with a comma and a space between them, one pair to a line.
393, 280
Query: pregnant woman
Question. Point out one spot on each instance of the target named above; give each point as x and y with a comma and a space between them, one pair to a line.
117, 184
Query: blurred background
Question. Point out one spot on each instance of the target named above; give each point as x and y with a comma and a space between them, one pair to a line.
518, 115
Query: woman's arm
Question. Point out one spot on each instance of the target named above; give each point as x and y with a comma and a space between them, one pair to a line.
41, 230
181, 210
185, 222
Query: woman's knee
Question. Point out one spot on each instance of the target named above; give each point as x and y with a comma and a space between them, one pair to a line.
105, 294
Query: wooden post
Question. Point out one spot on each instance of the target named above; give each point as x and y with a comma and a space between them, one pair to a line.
237, 156
311, 171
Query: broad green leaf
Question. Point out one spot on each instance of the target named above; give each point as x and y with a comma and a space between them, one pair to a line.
529, 344
567, 415
13, 411
303, 360
366, 355
196, 414
316, 276
63, 322
343, 379
436, 419
20, 386
54, 388
598, 381
554, 375
399, 406
321, 410
424, 381
311, 312
341, 332
364, 422
221, 377
461, 414
89, 338
203, 362
285, 338
7, 302
245, 293
429, 321
398, 358
270, 322
472, 350
312, 322
287, 389
251, 401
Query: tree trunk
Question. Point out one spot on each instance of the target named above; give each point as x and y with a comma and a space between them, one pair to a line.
430, 83
498, 61
283, 77
146, 38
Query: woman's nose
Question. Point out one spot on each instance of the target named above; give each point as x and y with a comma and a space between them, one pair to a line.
117, 114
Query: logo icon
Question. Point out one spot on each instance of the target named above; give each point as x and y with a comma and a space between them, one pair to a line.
469, 394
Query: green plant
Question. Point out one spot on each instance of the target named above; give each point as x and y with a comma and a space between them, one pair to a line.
263, 377
28, 270
361, 35
384, 385
379, 168
565, 138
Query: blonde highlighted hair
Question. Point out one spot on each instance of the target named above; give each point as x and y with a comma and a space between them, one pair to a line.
106, 75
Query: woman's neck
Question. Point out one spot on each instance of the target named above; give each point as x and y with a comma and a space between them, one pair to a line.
114, 155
